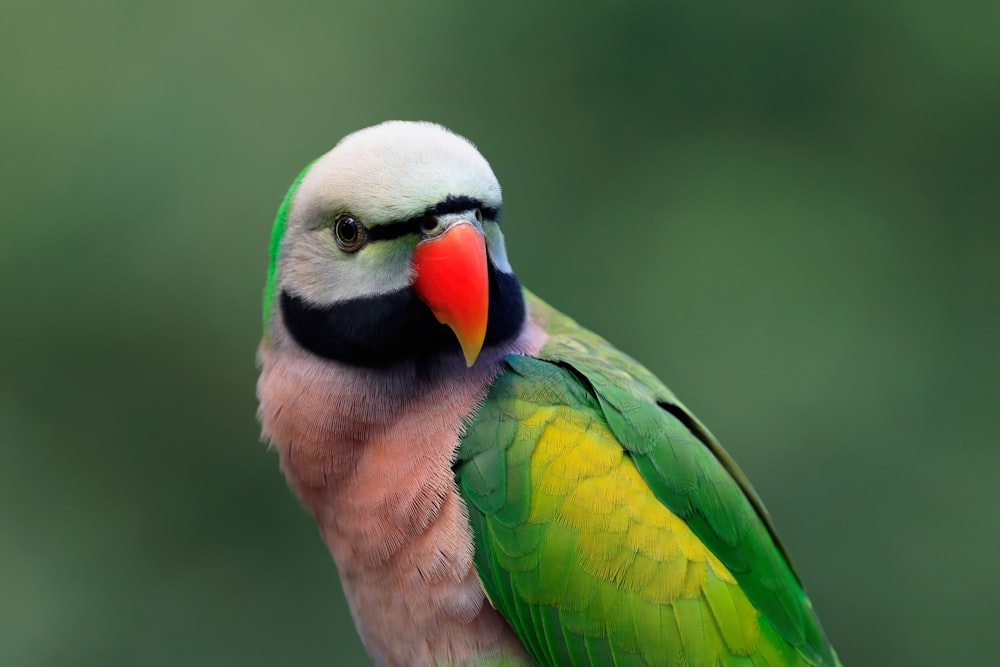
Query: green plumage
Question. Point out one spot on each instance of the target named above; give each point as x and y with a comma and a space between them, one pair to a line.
277, 234
566, 471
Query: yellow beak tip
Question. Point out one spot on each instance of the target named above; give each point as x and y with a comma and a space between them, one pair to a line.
471, 353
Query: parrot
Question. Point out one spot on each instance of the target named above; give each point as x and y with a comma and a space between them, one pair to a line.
496, 485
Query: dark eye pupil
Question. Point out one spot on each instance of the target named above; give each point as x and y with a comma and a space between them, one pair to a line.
348, 230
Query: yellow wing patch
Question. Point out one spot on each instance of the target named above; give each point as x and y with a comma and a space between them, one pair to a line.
603, 533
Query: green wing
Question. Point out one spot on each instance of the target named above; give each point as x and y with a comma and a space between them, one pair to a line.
611, 528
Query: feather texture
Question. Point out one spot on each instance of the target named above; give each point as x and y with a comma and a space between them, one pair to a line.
556, 477
611, 529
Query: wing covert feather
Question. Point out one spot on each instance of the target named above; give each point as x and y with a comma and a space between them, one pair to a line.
610, 529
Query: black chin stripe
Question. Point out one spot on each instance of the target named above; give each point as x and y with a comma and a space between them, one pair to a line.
384, 330
451, 204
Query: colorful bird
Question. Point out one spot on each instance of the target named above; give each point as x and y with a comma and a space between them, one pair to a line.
496, 484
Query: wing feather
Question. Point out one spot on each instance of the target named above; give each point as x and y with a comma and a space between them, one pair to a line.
611, 529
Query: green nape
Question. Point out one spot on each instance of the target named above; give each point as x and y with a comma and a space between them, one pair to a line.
277, 232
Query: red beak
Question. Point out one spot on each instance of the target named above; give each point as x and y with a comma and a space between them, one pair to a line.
452, 280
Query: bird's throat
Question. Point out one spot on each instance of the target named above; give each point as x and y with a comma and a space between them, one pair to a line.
372, 459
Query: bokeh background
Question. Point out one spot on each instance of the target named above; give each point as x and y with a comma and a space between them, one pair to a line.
789, 211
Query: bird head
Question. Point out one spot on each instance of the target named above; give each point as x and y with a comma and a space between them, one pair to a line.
388, 248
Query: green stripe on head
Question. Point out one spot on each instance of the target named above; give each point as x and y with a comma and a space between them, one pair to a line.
277, 233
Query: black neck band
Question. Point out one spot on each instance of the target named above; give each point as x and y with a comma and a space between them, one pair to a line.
384, 330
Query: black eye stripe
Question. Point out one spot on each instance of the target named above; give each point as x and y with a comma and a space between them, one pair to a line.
452, 204
457, 204
393, 230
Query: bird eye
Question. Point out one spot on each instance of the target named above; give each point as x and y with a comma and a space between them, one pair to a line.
429, 223
479, 215
349, 233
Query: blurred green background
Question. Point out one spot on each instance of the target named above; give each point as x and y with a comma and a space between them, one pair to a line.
787, 210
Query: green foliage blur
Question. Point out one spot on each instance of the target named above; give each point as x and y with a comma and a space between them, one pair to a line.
789, 211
